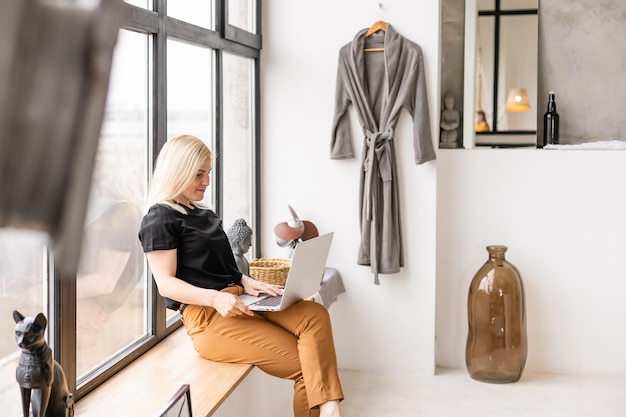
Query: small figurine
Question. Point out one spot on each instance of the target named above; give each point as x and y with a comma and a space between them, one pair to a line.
450, 121
40, 377
240, 238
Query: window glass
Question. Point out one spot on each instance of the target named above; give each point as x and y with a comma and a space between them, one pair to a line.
111, 289
518, 69
485, 57
241, 14
23, 287
197, 12
190, 94
238, 139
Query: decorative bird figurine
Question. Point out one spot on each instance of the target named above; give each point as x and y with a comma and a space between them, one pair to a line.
290, 233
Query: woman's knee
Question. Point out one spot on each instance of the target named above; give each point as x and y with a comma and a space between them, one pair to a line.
313, 311
313, 307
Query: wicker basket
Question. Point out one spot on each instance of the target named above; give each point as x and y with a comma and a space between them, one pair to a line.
270, 270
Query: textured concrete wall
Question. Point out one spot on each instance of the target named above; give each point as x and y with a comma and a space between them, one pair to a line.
582, 57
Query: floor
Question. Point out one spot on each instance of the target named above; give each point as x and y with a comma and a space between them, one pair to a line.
452, 393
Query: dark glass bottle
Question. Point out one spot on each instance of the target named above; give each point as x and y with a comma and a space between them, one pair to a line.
496, 341
550, 123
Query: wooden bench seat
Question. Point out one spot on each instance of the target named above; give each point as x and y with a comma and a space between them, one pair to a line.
145, 386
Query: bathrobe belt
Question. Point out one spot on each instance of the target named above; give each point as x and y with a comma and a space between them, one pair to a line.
377, 164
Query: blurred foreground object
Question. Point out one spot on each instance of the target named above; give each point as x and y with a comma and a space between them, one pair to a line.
55, 62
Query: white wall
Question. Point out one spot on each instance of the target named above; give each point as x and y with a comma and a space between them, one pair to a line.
259, 395
561, 213
394, 329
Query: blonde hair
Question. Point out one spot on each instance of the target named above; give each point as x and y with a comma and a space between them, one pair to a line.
176, 167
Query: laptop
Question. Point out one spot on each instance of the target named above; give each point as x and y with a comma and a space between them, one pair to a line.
304, 277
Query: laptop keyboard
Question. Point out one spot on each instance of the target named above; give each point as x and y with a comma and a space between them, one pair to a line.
272, 301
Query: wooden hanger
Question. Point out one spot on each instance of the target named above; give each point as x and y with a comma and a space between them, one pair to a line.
378, 25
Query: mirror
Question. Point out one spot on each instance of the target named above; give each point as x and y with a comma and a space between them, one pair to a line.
501, 39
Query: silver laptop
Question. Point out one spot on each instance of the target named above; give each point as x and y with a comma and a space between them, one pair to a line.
304, 278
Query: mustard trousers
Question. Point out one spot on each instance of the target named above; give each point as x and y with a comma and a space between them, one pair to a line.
296, 343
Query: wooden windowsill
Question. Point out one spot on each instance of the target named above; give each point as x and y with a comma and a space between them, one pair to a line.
146, 385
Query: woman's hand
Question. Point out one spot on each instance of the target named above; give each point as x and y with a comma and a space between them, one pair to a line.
253, 287
229, 305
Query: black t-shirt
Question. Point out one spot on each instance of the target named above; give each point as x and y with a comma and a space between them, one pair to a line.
204, 256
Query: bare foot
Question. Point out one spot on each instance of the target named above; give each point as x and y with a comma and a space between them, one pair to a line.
330, 409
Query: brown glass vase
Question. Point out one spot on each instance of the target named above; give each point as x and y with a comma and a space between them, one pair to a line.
496, 341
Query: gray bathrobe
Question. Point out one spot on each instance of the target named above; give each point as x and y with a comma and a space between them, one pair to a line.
379, 85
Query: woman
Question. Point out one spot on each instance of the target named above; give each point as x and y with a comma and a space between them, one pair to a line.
194, 268
480, 122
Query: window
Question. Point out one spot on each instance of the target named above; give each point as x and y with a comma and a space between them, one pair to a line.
198, 12
111, 285
190, 92
241, 14
243, 22
238, 145
171, 74
506, 72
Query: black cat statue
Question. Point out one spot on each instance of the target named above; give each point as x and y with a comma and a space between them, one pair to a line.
38, 373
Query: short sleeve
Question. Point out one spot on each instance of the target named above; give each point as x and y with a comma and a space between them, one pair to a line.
160, 229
